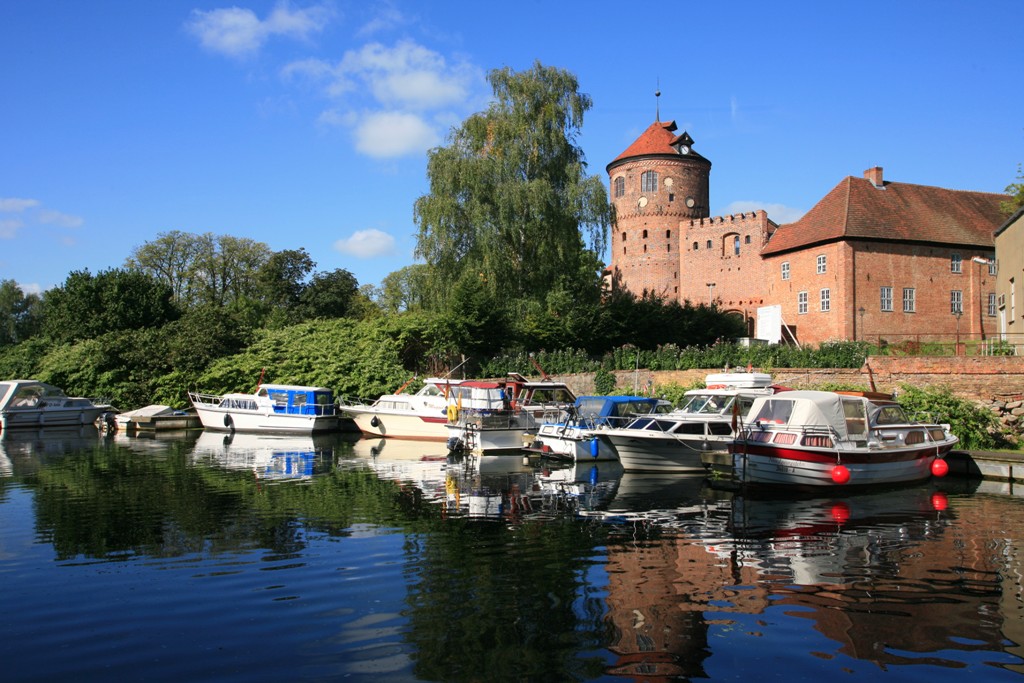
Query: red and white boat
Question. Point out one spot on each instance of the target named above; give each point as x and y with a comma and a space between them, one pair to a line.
824, 438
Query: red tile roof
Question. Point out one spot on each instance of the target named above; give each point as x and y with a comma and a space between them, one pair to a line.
856, 208
659, 138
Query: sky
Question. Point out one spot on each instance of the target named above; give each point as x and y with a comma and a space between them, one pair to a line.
306, 124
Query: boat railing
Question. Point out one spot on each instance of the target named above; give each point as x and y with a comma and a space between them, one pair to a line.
207, 400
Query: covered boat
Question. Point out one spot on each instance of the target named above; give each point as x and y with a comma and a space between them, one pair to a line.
824, 438
31, 403
274, 408
675, 442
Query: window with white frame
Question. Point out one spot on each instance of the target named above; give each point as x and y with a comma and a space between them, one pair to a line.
649, 181
822, 264
886, 298
956, 301
992, 304
785, 270
992, 267
956, 263
826, 300
909, 300
801, 302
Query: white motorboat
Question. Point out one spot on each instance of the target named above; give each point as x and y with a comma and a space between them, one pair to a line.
274, 408
575, 438
490, 417
825, 438
31, 403
421, 416
674, 442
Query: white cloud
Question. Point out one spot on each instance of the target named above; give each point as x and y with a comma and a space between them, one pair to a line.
238, 32
31, 212
388, 16
367, 244
394, 134
409, 75
9, 228
30, 287
63, 220
15, 205
776, 212
410, 87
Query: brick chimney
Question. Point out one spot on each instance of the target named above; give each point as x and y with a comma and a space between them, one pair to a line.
875, 176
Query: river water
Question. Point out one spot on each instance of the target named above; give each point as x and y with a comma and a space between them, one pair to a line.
201, 557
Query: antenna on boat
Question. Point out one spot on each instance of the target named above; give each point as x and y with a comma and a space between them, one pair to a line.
543, 374
464, 361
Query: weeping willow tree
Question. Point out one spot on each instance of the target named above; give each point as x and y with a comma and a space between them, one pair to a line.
510, 204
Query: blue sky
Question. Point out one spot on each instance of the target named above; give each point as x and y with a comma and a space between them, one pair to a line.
305, 124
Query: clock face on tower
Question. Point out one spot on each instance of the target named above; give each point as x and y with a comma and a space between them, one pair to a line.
684, 149
690, 202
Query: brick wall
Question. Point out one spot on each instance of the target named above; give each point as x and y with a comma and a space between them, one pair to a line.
974, 378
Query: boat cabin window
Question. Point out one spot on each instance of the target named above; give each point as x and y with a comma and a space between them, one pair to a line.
774, 410
856, 418
543, 395
430, 390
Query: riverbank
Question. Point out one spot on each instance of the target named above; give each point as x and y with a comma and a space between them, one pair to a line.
998, 466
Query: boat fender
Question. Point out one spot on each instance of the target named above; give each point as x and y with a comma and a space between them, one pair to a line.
453, 413
374, 422
593, 447
228, 422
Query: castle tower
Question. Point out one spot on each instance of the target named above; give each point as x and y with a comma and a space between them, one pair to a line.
658, 182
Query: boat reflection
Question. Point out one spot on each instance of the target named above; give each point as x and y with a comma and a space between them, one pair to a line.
269, 456
23, 451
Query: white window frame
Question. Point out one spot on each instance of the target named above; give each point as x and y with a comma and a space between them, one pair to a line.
785, 270
956, 263
909, 300
885, 299
825, 300
992, 304
956, 301
822, 264
801, 303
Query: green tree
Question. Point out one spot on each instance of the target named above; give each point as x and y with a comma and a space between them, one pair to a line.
405, 289
1016, 192
330, 295
204, 269
509, 197
280, 283
170, 258
20, 313
87, 306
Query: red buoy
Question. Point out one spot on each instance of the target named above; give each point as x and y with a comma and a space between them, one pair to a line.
939, 467
840, 474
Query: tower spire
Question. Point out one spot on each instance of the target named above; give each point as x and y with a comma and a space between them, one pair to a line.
657, 102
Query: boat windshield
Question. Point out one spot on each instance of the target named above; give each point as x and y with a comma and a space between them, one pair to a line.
707, 404
890, 414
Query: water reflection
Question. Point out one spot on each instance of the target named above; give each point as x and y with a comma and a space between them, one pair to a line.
491, 564
268, 456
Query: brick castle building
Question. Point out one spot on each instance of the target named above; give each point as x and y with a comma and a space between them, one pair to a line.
874, 259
